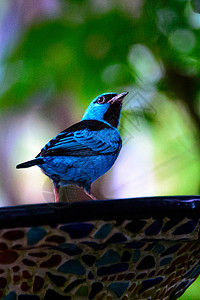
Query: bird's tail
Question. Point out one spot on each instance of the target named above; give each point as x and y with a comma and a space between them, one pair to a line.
30, 163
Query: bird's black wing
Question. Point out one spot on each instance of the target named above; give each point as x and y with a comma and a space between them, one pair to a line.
86, 138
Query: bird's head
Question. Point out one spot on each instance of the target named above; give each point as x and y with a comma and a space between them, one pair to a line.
106, 108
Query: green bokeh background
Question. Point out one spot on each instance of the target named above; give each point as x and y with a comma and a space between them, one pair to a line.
58, 55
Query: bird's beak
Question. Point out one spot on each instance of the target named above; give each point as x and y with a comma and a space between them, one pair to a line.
118, 98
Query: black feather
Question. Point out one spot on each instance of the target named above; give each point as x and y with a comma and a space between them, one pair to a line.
112, 114
30, 163
91, 125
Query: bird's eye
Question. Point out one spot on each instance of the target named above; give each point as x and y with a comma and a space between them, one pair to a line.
101, 100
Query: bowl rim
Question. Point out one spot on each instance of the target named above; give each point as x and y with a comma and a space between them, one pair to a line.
156, 207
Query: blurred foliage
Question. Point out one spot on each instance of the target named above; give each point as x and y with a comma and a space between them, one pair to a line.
89, 47
77, 50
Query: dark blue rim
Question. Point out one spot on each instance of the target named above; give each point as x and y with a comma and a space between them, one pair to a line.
60, 213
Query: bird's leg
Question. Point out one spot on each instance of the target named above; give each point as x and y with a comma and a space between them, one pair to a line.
56, 192
90, 195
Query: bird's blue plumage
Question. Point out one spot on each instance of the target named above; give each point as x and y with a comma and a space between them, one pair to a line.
86, 150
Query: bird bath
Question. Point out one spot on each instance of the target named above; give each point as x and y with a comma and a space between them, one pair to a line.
142, 248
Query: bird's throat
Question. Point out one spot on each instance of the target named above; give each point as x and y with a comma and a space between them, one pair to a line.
112, 115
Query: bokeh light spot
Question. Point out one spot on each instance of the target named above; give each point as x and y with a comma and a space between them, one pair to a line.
144, 64
97, 46
182, 40
167, 20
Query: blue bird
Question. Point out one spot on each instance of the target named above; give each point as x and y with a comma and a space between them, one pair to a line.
86, 150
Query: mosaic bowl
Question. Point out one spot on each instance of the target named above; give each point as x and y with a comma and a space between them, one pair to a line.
142, 248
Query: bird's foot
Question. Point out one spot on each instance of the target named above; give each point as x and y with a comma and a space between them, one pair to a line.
56, 193
90, 195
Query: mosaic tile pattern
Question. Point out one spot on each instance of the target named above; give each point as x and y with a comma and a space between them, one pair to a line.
117, 259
